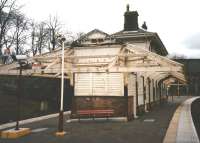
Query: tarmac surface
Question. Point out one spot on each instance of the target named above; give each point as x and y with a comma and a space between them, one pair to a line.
148, 128
196, 114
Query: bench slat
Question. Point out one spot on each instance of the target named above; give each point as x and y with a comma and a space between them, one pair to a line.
96, 112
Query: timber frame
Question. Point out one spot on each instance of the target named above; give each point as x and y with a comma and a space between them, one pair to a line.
128, 59
124, 59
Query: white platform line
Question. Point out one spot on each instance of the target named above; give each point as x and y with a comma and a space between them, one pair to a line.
39, 130
32, 120
186, 132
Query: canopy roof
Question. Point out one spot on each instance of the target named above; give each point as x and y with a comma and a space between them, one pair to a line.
126, 58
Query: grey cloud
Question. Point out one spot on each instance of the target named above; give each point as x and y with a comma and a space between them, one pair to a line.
193, 41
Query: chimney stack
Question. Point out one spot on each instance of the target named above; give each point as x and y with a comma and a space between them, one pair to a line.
130, 20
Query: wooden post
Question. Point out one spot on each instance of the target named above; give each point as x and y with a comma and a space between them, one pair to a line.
149, 85
160, 93
136, 85
153, 90
135, 98
126, 100
156, 90
144, 93
178, 92
167, 92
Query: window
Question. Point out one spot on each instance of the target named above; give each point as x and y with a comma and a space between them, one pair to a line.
94, 40
100, 40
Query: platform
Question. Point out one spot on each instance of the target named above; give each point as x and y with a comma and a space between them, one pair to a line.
181, 128
151, 126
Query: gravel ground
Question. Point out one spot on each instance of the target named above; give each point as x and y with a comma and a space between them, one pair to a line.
136, 131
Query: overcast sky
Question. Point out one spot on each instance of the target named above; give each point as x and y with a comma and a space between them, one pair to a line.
176, 21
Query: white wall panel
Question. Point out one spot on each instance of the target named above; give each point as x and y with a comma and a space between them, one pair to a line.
99, 84
83, 84
132, 85
140, 91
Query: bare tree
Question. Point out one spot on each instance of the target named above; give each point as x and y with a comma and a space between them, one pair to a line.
77, 39
42, 37
8, 8
20, 32
33, 36
79, 35
39, 37
54, 27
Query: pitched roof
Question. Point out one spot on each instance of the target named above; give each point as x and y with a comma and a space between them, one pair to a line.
91, 32
140, 33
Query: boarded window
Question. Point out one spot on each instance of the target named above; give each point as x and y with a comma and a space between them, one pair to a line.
99, 84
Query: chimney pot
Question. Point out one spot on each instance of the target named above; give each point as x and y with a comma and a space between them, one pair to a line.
127, 7
144, 26
130, 20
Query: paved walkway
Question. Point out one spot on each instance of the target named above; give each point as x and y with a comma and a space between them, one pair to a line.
181, 128
150, 127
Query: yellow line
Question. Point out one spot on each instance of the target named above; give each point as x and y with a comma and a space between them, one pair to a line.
171, 134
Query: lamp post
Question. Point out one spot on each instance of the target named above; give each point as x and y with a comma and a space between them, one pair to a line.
18, 97
22, 62
61, 132
18, 132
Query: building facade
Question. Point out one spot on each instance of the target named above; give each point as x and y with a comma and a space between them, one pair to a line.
122, 85
126, 71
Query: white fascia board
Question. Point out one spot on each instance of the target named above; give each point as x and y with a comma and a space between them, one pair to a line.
153, 56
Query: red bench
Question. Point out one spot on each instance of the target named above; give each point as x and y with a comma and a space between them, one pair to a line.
95, 113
